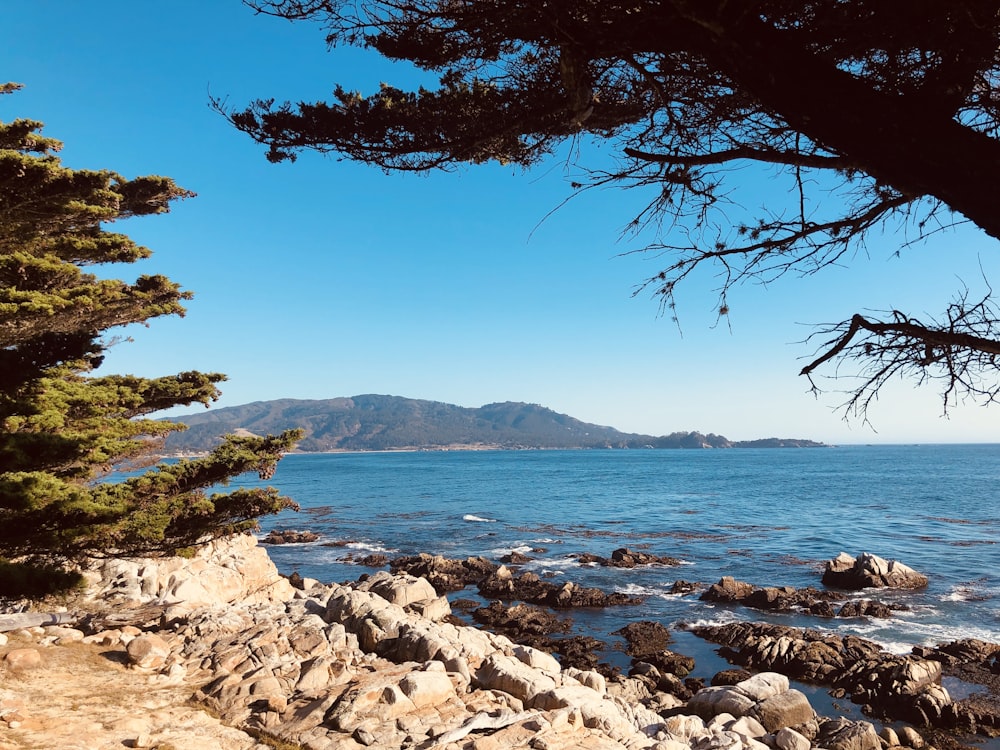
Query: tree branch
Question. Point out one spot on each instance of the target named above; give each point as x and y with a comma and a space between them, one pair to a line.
770, 156
962, 352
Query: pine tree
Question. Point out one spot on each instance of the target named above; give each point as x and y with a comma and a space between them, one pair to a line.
63, 429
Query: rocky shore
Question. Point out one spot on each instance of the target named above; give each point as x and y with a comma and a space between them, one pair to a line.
385, 663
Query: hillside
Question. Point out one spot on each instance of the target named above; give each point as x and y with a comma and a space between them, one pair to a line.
372, 422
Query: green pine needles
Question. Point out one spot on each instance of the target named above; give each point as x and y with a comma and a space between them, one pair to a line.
63, 430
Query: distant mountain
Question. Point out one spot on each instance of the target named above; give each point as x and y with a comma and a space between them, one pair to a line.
371, 423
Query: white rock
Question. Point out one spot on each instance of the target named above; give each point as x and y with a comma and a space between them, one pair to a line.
685, 726
593, 680
429, 688
763, 685
711, 701
787, 709
148, 651
747, 726
63, 634
512, 676
788, 739
537, 659
567, 696
911, 738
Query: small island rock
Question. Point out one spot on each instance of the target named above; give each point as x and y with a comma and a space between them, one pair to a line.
870, 571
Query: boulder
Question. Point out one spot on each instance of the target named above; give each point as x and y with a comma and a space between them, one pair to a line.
399, 589
728, 589
730, 677
148, 651
669, 662
712, 701
842, 734
787, 709
427, 688
764, 685
865, 608
626, 558
23, 659
788, 739
513, 676
537, 659
528, 587
747, 727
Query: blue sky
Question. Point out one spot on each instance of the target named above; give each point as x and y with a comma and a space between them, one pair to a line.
326, 278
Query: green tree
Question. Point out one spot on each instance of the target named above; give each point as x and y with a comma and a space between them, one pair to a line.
63, 429
877, 114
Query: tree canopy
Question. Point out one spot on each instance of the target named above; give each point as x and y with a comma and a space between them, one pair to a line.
878, 114
64, 429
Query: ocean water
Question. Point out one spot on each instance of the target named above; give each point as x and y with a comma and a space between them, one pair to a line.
767, 516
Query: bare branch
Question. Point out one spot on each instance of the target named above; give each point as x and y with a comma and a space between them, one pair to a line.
769, 156
961, 352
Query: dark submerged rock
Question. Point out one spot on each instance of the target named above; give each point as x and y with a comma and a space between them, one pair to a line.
289, 537
730, 677
669, 662
684, 587
520, 622
444, 574
542, 629
626, 558
644, 637
786, 599
375, 560
515, 558
528, 587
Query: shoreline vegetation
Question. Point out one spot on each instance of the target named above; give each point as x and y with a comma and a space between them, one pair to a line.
385, 662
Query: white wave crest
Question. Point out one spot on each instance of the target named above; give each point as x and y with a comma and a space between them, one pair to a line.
558, 566
634, 589
725, 617
366, 547
477, 519
918, 627
521, 549
969, 592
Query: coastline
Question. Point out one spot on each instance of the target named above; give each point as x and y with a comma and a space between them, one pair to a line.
380, 663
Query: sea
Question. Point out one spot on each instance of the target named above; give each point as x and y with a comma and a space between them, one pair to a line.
770, 517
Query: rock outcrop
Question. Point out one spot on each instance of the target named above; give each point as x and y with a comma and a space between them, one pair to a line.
381, 663
904, 687
528, 587
626, 558
220, 572
786, 599
279, 536
870, 571
443, 573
